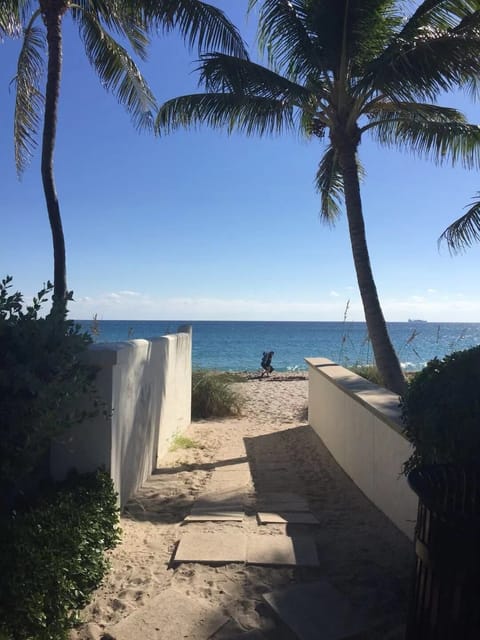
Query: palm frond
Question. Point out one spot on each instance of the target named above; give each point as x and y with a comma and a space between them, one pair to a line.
469, 21
371, 24
429, 61
465, 231
117, 71
436, 15
122, 18
28, 98
222, 73
379, 111
437, 140
199, 23
284, 36
10, 20
247, 114
353, 32
25, 8
329, 183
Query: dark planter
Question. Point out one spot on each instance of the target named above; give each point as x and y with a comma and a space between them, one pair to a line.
445, 596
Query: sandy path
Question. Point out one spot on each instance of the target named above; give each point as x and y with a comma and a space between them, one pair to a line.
361, 553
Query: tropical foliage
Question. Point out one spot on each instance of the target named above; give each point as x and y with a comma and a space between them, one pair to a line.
102, 25
441, 411
45, 387
53, 556
336, 71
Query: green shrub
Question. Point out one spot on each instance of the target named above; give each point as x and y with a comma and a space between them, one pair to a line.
43, 383
53, 557
213, 396
369, 372
441, 411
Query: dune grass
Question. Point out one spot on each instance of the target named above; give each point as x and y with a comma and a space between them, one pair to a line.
213, 395
369, 372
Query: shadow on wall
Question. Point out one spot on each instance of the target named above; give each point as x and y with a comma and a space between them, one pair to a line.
146, 387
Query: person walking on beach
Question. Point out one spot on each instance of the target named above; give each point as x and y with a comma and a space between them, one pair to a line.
266, 363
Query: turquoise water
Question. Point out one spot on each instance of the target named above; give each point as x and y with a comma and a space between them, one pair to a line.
238, 346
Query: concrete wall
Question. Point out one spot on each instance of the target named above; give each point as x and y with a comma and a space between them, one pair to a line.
145, 386
174, 389
360, 424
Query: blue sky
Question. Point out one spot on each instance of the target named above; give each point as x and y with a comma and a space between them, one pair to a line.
201, 225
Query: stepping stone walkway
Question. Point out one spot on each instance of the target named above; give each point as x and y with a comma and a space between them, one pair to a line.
163, 617
227, 496
219, 548
306, 609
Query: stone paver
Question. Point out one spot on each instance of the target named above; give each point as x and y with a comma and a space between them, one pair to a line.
286, 517
214, 515
211, 548
316, 610
164, 617
282, 550
216, 548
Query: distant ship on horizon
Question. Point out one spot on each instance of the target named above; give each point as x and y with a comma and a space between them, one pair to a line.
416, 321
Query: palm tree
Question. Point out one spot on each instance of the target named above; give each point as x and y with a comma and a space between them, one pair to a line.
339, 69
96, 20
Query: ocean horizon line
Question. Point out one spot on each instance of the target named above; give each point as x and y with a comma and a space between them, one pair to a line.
180, 321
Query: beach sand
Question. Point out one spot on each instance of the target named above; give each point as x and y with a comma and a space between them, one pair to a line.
360, 552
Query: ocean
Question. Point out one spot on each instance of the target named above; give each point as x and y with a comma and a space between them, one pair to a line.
238, 346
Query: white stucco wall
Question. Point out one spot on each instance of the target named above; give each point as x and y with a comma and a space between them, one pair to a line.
174, 352
146, 388
360, 424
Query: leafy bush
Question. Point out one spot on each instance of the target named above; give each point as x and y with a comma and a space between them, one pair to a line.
213, 396
43, 380
53, 557
369, 372
441, 411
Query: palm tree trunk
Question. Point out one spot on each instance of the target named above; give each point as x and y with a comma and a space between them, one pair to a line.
52, 13
385, 356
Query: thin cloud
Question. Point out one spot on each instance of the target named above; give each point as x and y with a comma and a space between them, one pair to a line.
123, 306
118, 306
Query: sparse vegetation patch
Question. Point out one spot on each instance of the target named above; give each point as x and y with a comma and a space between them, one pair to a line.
183, 442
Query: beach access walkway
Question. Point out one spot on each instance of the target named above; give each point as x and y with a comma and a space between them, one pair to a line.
254, 532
